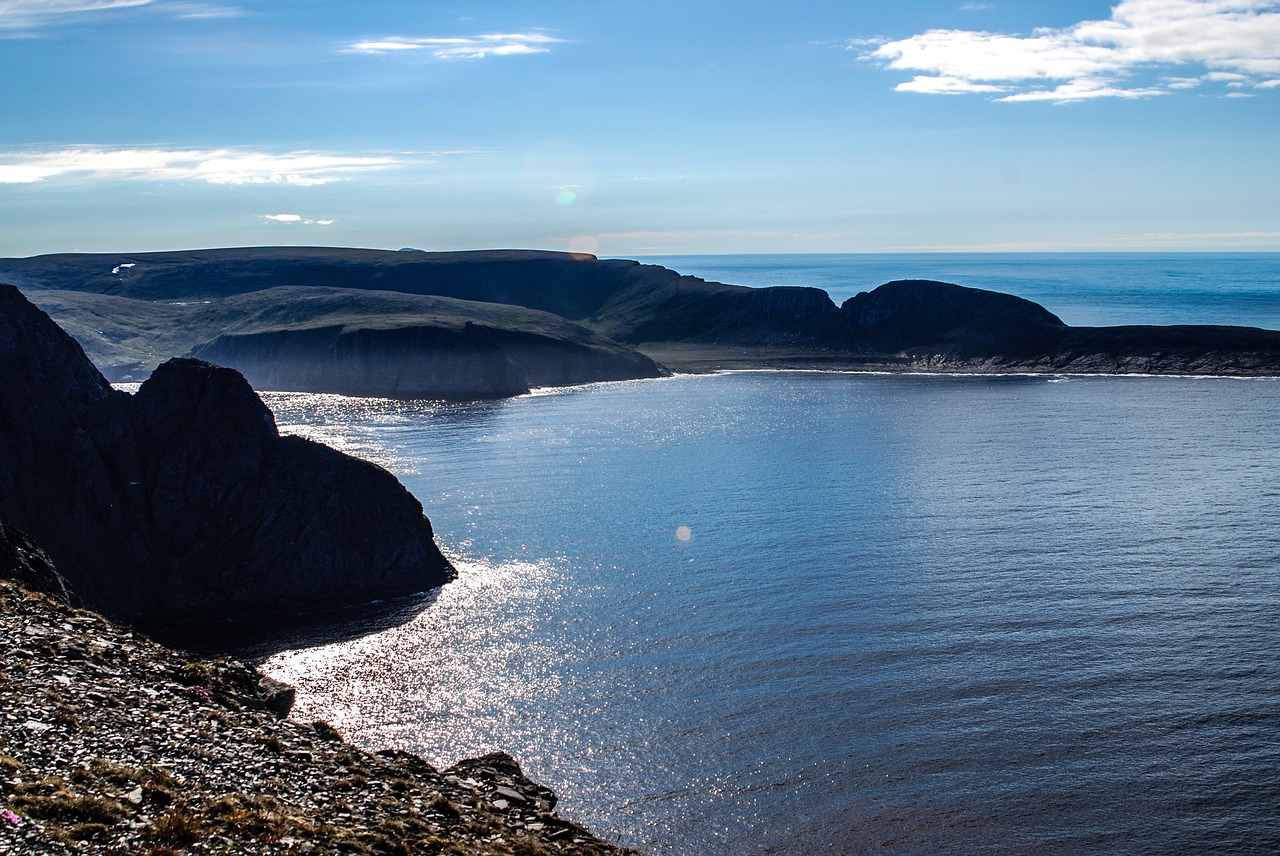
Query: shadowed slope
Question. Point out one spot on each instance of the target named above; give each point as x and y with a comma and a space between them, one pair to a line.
910, 324
184, 501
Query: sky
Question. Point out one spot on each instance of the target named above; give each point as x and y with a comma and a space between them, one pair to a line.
640, 128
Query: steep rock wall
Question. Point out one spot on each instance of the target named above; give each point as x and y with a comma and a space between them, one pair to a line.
183, 501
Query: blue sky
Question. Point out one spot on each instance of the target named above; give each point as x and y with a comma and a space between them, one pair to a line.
631, 129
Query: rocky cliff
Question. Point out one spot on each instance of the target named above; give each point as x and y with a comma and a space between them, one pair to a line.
183, 501
409, 346
942, 326
356, 341
910, 324
114, 744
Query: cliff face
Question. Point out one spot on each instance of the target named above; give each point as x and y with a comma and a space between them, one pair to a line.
910, 324
470, 361
183, 501
915, 317
408, 362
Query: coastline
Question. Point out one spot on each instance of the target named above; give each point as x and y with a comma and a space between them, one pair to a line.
118, 744
713, 359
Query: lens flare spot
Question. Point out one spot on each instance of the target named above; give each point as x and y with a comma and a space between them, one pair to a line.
684, 533
566, 197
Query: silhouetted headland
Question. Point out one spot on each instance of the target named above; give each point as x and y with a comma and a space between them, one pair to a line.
498, 322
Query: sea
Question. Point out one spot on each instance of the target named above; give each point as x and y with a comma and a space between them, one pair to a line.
776, 612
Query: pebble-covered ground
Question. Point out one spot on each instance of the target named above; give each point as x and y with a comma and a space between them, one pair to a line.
110, 743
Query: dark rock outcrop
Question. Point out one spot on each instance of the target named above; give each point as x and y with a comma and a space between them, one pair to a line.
419, 358
22, 561
921, 317
404, 362
942, 326
183, 501
904, 325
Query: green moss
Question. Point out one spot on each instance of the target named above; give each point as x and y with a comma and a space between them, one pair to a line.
196, 675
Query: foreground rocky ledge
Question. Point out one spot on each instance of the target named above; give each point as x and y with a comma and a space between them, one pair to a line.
111, 743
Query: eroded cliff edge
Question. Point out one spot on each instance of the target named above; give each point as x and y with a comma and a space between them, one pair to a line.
390, 309
183, 501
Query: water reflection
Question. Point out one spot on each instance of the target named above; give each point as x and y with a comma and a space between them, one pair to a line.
469, 668
921, 614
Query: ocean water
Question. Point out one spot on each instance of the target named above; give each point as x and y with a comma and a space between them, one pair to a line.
792, 613
1084, 289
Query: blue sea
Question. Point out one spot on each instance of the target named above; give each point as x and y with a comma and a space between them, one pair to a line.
795, 613
1083, 289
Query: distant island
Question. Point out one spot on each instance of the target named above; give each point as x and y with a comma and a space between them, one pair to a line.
495, 323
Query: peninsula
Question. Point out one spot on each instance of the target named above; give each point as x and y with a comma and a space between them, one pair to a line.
493, 323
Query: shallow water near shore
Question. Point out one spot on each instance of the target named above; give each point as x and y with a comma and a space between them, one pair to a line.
797, 612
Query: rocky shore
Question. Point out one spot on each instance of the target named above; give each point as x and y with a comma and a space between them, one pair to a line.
491, 323
113, 744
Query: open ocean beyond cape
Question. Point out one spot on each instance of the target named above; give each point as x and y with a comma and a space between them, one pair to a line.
793, 613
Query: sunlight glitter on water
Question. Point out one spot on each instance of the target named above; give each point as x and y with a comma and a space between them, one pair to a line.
467, 666
356, 426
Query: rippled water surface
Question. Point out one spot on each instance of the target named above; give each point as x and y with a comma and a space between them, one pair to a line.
820, 613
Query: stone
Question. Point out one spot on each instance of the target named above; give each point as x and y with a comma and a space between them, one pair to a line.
183, 502
243, 781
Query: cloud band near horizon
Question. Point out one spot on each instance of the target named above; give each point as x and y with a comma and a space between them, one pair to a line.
213, 166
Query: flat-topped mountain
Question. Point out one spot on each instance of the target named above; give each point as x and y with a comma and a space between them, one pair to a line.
492, 323
356, 321
183, 501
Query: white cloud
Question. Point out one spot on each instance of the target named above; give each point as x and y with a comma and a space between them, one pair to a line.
474, 47
295, 219
1232, 41
22, 14
215, 166
1083, 90
27, 15
942, 85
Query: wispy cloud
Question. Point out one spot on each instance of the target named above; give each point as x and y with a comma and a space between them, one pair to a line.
472, 47
1236, 42
26, 14
201, 10
1201, 239
215, 166
295, 219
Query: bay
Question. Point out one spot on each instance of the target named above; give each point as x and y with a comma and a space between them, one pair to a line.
786, 613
